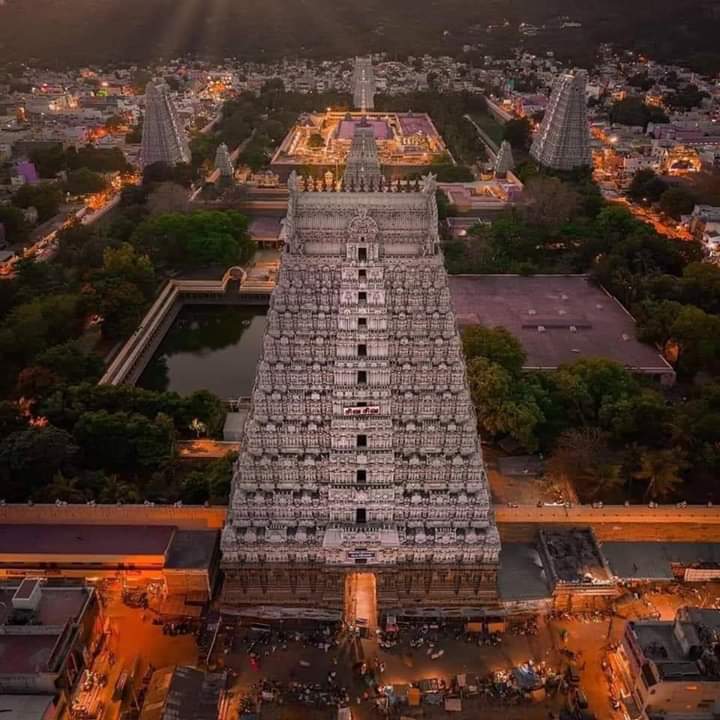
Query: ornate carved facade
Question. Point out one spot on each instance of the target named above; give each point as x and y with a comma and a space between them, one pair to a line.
361, 446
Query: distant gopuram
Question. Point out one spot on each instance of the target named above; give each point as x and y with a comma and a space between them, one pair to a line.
563, 140
361, 465
363, 166
163, 136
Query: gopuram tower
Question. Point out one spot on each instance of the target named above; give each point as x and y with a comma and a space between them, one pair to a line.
362, 168
361, 458
563, 139
163, 136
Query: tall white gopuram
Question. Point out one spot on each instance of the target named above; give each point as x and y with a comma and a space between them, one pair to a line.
563, 140
163, 136
362, 169
361, 452
363, 83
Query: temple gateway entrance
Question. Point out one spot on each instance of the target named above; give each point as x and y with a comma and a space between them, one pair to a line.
361, 600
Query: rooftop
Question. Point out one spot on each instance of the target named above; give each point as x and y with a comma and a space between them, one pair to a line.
57, 604
521, 575
683, 649
654, 560
192, 549
183, 693
120, 540
578, 319
573, 557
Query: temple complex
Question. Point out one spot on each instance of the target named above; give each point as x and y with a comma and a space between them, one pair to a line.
361, 473
406, 142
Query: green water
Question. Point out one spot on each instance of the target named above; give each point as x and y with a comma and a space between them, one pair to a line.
208, 347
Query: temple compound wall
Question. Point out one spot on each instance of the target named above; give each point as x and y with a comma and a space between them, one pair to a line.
361, 451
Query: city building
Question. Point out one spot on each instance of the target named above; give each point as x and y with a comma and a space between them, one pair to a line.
47, 636
363, 84
185, 693
362, 170
183, 562
163, 135
361, 483
563, 140
671, 669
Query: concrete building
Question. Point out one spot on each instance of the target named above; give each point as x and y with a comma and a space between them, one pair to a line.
363, 84
671, 669
46, 637
558, 319
362, 465
563, 139
183, 562
163, 135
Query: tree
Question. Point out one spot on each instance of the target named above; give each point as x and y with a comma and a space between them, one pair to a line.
505, 405
34, 326
11, 419
549, 201
29, 458
62, 488
85, 182
44, 197
700, 286
677, 201
496, 344
124, 441
661, 470
49, 160
646, 186
518, 132
453, 173
196, 238
12, 219
70, 363
126, 264
584, 457
101, 160
633, 111
122, 305
697, 335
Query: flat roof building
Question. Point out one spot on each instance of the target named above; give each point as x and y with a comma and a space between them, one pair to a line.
185, 561
46, 636
558, 319
671, 669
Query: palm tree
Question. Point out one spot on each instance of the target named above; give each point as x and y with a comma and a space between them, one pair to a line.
584, 459
662, 471
65, 489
